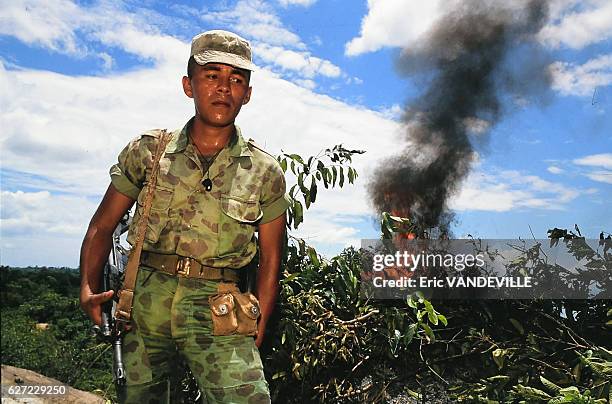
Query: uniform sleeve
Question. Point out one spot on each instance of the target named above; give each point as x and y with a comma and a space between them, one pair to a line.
274, 202
128, 175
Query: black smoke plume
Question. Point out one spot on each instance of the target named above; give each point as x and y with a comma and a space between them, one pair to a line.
478, 56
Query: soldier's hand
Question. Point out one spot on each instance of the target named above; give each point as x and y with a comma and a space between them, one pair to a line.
261, 330
91, 303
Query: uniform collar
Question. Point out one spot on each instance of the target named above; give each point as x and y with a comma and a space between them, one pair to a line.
238, 147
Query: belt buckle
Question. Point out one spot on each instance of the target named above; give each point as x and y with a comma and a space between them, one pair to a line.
183, 266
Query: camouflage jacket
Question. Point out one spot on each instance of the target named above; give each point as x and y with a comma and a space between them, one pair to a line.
214, 227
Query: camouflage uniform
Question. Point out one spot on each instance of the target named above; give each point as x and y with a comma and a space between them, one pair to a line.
171, 314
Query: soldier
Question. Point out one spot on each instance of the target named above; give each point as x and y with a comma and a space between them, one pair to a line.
214, 190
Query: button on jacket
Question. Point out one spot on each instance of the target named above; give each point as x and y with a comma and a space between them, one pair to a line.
214, 227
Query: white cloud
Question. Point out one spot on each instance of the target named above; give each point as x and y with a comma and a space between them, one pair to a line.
555, 170
328, 235
603, 163
63, 26
509, 190
43, 213
107, 60
394, 23
257, 20
393, 112
304, 3
50, 24
582, 80
72, 32
302, 62
306, 83
400, 23
42, 228
273, 43
560, 193
578, 24
600, 176
603, 160
69, 129
132, 39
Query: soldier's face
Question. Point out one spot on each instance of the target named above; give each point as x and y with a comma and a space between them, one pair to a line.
218, 91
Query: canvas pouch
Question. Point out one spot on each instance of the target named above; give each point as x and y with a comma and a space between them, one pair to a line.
233, 312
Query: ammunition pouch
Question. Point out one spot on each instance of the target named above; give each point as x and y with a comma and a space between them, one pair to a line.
233, 312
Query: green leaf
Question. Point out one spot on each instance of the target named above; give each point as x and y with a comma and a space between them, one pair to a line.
570, 391
413, 394
442, 319
314, 258
429, 332
531, 393
283, 164
499, 379
292, 191
279, 374
431, 313
551, 387
410, 333
298, 212
386, 227
326, 175
499, 357
341, 175
518, 326
577, 371
313, 191
351, 175
334, 176
297, 157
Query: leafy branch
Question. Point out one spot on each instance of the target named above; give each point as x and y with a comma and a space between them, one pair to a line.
330, 167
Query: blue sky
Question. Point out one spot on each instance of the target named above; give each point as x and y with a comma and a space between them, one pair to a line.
79, 79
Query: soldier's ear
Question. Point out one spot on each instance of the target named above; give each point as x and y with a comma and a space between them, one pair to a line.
187, 87
247, 97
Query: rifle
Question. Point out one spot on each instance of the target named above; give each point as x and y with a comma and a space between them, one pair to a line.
112, 276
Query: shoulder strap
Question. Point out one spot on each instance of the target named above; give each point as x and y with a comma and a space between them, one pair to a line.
258, 147
123, 310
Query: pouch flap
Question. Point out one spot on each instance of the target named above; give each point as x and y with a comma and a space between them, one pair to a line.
222, 304
249, 305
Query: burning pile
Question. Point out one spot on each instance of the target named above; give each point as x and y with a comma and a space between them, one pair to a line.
477, 56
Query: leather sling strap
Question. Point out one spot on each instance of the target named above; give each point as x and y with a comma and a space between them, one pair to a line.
123, 311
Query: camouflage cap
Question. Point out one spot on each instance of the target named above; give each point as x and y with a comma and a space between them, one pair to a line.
219, 46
